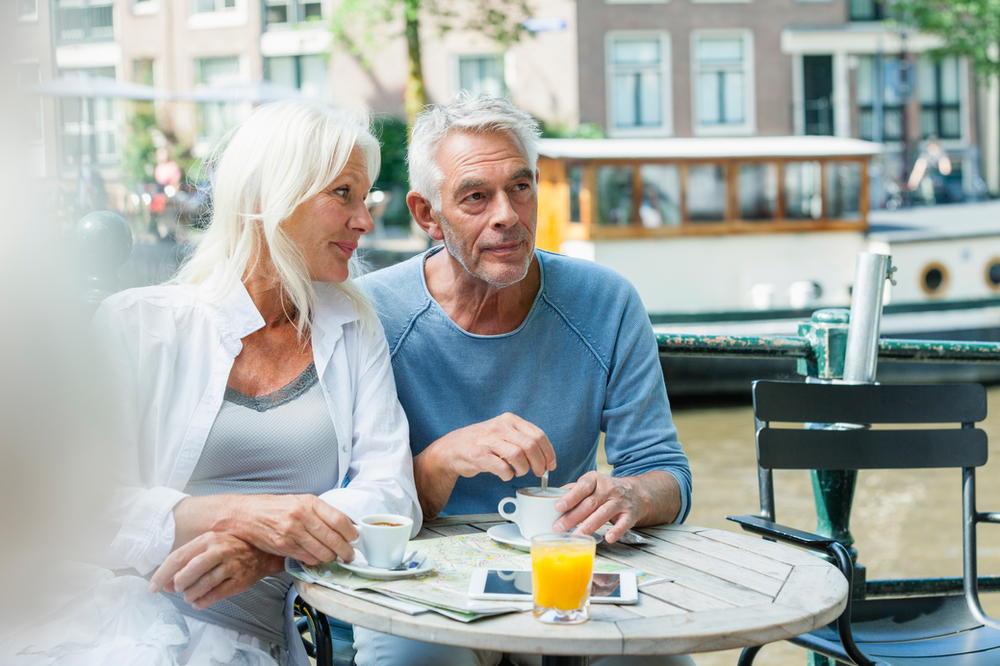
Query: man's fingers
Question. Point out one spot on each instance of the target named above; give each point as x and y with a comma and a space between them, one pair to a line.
621, 525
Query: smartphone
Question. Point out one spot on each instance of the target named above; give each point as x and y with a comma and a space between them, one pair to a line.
501, 585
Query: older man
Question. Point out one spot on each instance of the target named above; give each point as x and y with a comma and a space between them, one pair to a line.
510, 361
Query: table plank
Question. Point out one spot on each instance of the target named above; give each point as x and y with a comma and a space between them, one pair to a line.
730, 552
720, 568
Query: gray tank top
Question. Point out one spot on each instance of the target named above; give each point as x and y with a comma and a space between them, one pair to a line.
280, 443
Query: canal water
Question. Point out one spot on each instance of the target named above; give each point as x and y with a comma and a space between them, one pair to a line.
905, 524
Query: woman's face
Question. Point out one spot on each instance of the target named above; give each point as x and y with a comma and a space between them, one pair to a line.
326, 228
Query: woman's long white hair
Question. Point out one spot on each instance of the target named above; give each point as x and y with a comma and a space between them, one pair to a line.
280, 156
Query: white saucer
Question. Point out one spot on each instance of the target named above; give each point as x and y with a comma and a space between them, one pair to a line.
361, 567
510, 534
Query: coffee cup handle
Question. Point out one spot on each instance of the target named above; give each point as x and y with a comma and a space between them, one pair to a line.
358, 544
503, 502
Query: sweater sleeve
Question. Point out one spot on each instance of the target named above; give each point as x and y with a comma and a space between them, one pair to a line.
640, 435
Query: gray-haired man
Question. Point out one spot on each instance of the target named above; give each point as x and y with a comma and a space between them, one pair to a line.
511, 361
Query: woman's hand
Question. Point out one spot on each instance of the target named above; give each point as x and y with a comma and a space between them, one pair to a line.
212, 567
300, 526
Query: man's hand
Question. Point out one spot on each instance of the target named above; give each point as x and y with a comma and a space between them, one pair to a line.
300, 526
648, 499
212, 567
505, 446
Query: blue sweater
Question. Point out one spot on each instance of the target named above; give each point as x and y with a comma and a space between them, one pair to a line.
583, 362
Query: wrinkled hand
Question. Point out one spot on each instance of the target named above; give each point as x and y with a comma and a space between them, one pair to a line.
506, 446
597, 499
300, 526
212, 567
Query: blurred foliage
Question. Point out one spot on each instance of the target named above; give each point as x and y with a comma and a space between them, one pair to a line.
393, 178
391, 133
969, 28
557, 130
364, 27
139, 151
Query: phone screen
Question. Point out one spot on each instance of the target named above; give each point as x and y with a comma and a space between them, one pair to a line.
519, 582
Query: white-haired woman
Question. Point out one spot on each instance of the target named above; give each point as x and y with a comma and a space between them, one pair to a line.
258, 390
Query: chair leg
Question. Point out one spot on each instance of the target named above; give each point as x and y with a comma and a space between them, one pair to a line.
319, 627
748, 655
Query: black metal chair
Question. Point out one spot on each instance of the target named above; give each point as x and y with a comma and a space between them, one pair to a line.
943, 630
330, 642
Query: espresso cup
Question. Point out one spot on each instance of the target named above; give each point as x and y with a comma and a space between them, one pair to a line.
534, 510
382, 539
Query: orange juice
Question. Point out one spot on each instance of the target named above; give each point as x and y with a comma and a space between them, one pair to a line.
561, 568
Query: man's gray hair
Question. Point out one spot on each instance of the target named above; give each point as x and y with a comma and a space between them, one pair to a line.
471, 115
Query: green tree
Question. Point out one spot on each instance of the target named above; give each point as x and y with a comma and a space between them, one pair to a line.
969, 28
139, 151
363, 26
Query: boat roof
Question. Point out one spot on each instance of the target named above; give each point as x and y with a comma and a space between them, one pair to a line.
707, 147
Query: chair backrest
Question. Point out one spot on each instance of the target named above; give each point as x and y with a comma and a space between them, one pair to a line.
854, 447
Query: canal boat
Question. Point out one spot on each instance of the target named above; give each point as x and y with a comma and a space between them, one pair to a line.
749, 236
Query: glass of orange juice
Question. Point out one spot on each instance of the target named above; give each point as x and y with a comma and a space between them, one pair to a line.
561, 569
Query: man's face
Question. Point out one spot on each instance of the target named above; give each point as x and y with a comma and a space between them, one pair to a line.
489, 206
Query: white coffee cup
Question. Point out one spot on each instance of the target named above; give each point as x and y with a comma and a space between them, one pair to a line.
382, 539
534, 511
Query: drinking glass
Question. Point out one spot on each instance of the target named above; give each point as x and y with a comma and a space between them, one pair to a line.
561, 570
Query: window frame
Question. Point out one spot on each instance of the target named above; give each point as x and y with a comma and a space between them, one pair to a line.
666, 126
749, 124
456, 69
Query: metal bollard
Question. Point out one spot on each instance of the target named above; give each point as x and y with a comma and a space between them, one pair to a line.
103, 243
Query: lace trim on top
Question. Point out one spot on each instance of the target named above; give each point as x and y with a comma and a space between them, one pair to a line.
287, 393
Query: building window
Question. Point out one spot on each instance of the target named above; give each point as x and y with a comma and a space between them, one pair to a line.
722, 80
307, 73
90, 126
638, 82
867, 10
940, 99
870, 80
208, 6
27, 10
216, 118
285, 13
84, 21
481, 73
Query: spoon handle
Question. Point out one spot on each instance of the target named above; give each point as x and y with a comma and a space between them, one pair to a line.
545, 481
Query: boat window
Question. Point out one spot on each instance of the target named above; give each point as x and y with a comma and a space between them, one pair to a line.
803, 198
660, 195
843, 190
993, 273
574, 176
615, 186
706, 193
758, 191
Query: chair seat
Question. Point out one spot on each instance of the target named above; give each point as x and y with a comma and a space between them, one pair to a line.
914, 627
905, 619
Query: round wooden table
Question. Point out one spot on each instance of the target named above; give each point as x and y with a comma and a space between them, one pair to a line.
729, 591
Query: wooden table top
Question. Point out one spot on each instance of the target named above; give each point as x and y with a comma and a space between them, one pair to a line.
729, 591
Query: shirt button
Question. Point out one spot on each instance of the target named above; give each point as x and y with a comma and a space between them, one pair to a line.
344, 448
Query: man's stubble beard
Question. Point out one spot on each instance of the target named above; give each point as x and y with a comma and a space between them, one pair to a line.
456, 251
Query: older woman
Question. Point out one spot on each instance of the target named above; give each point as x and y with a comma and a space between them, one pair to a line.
258, 389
